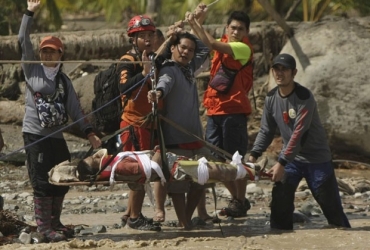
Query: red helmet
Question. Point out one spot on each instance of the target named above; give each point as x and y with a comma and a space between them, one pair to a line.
140, 23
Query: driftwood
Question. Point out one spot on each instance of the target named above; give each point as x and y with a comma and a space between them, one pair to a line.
111, 44
272, 12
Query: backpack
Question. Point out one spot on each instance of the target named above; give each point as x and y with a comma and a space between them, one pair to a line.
106, 91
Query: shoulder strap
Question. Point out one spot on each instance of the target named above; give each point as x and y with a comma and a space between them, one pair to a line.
254, 97
30, 88
241, 68
63, 77
245, 65
130, 57
57, 77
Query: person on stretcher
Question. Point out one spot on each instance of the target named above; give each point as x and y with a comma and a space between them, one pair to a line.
145, 166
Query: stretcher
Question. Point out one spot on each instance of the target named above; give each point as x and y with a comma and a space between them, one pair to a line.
145, 166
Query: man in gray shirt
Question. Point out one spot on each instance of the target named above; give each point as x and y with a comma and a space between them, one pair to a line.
177, 87
292, 109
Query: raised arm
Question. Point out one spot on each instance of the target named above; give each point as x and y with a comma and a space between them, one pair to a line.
24, 36
195, 21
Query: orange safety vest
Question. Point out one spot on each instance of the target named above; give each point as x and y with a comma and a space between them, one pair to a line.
236, 101
137, 105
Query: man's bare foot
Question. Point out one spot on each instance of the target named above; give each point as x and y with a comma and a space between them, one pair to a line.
159, 216
124, 219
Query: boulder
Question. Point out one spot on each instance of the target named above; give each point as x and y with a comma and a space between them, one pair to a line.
333, 62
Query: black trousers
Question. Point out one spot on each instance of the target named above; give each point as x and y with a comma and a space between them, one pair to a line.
41, 158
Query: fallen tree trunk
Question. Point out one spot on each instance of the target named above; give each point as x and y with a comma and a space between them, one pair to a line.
81, 45
111, 44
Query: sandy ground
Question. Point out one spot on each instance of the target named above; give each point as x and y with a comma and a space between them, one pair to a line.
252, 232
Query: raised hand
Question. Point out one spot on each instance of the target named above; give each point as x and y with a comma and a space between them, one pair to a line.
94, 141
192, 21
146, 66
33, 5
176, 28
200, 13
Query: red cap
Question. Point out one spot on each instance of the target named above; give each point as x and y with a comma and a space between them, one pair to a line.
52, 42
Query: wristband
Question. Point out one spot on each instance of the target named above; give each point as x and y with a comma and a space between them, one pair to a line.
29, 13
90, 134
88, 131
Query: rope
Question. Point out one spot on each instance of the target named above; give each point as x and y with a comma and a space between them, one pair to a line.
74, 61
164, 44
209, 5
71, 124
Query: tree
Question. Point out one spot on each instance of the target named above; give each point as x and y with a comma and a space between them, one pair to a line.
166, 12
49, 14
10, 9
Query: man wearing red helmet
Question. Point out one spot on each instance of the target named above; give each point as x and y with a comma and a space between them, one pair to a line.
136, 107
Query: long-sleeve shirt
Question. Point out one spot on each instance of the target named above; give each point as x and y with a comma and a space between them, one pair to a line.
181, 102
297, 118
135, 101
36, 78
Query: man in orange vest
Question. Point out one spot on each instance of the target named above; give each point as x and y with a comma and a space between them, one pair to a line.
226, 97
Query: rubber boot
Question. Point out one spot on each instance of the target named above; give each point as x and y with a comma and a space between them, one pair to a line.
43, 208
57, 208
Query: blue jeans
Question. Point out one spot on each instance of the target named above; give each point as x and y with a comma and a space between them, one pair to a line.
228, 132
321, 180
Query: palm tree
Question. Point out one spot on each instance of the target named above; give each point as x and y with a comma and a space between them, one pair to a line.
167, 12
314, 10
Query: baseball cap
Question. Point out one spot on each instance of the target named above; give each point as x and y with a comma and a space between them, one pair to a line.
286, 60
52, 42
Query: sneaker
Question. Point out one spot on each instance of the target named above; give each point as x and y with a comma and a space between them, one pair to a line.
235, 209
141, 223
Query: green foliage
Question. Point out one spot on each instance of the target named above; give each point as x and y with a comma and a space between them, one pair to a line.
49, 18
314, 10
114, 10
8, 11
53, 17
362, 6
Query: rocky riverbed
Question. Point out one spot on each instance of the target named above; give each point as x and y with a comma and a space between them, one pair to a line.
94, 211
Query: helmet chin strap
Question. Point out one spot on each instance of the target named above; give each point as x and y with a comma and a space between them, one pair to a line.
136, 48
